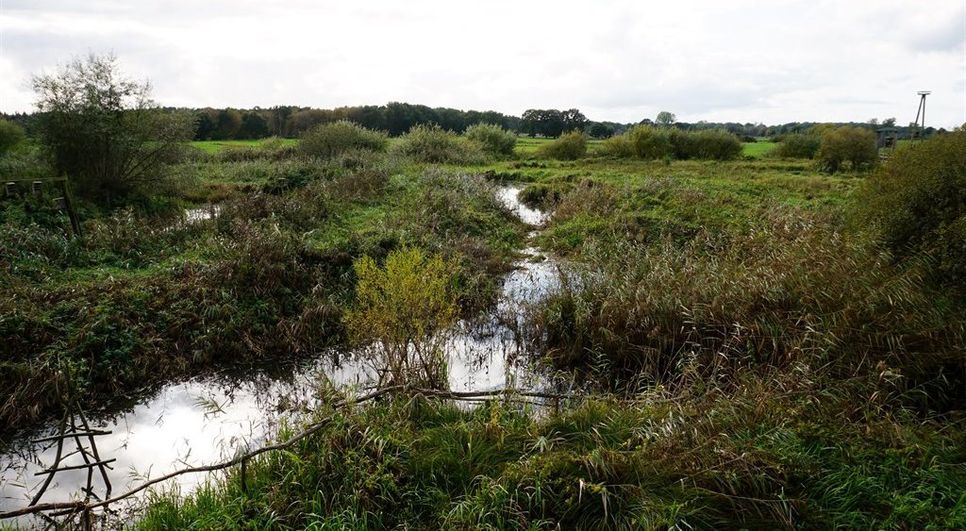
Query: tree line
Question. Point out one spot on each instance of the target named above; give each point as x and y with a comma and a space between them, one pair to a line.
397, 118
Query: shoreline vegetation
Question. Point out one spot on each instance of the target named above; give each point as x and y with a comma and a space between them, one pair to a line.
760, 340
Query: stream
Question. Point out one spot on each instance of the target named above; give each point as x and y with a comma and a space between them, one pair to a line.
207, 420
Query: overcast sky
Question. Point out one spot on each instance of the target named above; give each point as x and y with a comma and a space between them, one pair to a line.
767, 61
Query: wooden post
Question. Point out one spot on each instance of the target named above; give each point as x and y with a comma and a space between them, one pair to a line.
244, 479
71, 212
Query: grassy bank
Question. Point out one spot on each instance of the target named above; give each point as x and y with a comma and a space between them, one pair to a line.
778, 454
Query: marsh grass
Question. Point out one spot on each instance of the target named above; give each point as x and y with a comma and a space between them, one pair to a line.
794, 292
779, 452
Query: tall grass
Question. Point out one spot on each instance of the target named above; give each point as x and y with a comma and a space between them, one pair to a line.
781, 452
794, 292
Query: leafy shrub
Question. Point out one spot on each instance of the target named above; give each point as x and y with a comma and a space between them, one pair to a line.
11, 134
709, 144
854, 145
495, 140
406, 306
650, 143
798, 146
328, 140
104, 131
570, 146
917, 201
433, 144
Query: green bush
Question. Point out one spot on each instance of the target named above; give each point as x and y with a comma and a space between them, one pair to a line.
853, 145
651, 143
494, 139
11, 134
798, 146
331, 139
570, 146
405, 307
103, 131
710, 144
433, 144
917, 201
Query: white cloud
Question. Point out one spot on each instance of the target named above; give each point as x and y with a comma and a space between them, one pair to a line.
778, 61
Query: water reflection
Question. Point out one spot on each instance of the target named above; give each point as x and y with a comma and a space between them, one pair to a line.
207, 420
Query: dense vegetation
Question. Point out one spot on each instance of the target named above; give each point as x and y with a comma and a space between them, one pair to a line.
752, 342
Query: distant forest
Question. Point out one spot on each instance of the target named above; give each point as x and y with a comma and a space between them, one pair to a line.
397, 118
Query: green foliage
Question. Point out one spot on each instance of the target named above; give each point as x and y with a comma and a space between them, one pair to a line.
331, 139
601, 131
798, 146
852, 145
495, 140
665, 118
103, 131
642, 142
917, 203
652, 143
11, 134
142, 299
433, 144
406, 307
24, 164
660, 310
781, 453
570, 146
706, 144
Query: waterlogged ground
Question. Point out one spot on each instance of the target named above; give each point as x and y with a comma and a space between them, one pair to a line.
205, 421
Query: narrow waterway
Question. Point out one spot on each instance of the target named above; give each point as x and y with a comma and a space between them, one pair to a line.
206, 420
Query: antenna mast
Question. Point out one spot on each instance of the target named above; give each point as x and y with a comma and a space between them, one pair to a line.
922, 111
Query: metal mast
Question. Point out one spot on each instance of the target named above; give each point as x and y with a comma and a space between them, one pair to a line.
922, 111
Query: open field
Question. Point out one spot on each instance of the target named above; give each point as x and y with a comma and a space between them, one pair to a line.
758, 149
216, 146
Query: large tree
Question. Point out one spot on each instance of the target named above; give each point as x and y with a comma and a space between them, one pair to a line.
103, 131
665, 118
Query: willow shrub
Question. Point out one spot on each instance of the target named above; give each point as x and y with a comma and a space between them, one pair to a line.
854, 146
434, 145
495, 140
798, 146
917, 201
570, 146
331, 139
405, 309
650, 143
